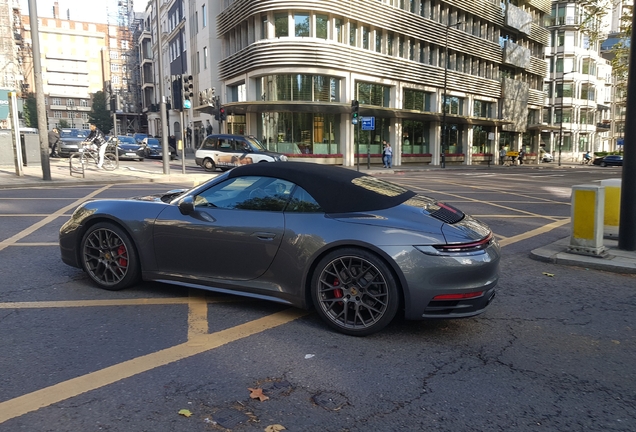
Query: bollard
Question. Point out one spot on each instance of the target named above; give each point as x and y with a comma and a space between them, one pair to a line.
588, 202
612, 206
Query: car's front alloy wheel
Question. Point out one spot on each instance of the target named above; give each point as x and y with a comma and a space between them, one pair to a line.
209, 165
109, 257
354, 292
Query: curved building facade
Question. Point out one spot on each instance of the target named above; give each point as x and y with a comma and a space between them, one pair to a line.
459, 78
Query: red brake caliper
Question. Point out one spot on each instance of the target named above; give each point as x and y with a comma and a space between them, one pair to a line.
337, 293
123, 258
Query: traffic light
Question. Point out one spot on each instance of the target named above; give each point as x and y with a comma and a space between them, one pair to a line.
222, 114
187, 87
355, 111
176, 92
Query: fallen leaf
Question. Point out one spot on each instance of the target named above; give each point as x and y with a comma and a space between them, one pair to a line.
258, 394
275, 428
616, 342
308, 356
185, 413
548, 274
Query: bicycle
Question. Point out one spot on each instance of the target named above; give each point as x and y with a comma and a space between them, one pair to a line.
80, 160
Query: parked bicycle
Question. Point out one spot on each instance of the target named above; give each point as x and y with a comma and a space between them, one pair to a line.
89, 153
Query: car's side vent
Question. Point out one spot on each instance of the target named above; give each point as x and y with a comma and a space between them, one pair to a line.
447, 214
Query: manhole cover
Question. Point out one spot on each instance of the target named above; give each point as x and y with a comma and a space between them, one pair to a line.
330, 401
229, 418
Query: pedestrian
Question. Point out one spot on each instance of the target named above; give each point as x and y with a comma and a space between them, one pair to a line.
502, 156
388, 155
521, 156
384, 153
97, 138
54, 141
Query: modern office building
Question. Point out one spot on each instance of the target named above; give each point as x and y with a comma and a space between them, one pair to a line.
578, 86
287, 72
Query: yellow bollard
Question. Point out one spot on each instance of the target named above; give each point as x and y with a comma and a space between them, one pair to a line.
612, 206
588, 202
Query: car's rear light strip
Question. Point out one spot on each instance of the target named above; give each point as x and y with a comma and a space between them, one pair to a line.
466, 247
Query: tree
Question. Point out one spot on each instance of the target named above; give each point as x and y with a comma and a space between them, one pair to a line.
99, 114
31, 111
63, 124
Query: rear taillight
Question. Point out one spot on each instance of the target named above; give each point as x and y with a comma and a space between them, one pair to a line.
465, 247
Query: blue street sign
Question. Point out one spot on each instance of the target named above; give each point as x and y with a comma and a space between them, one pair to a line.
619, 141
368, 123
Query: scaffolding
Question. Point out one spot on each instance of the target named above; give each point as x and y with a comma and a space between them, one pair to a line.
123, 84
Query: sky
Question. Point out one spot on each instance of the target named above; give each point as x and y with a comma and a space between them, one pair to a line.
80, 10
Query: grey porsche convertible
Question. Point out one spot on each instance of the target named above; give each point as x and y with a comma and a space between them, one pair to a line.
356, 248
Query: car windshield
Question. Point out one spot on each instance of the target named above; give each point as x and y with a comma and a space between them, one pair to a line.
126, 140
256, 144
152, 142
74, 133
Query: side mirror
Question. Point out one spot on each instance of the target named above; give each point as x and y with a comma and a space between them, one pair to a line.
186, 205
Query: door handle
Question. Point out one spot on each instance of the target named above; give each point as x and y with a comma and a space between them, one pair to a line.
265, 235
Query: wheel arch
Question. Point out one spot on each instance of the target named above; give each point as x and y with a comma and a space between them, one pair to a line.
379, 253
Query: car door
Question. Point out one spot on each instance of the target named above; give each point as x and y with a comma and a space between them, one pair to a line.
234, 232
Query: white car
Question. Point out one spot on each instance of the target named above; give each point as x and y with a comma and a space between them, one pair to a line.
229, 151
547, 157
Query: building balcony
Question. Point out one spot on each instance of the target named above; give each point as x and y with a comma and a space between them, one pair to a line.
516, 55
518, 19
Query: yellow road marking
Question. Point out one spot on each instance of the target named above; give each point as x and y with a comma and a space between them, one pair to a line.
65, 390
39, 224
197, 315
31, 215
534, 232
35, 244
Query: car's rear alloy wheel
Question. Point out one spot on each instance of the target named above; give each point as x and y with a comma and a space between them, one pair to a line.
355, 292
603, 164
209, 165
109, 257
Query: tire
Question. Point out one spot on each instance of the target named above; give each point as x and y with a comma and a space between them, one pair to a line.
603, 164
209, 165
76, 161
110, 162
368, 289
109, 257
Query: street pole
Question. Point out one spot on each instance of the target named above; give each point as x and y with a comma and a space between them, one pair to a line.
444, 137
162, 100
561, 126
39, 91
182, 142
627, 227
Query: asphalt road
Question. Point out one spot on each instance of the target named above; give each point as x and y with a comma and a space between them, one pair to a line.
552, 353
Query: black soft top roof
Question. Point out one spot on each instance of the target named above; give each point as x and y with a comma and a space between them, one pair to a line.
336, 189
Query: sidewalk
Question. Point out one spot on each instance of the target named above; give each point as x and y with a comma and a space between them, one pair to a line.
617, 261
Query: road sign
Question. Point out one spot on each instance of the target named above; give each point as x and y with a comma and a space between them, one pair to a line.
368, 123
620, 141
354, 121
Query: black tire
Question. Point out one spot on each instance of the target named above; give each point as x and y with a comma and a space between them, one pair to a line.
110, 162
603, 164
208, 165
109, 257
367, 287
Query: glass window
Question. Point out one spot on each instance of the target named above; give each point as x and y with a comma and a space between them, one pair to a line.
378, 40
415, 137
301, 24
353, 32
417, 100
247, 193
205, 57
263, 26
365, 37
482, 109
281, 25
454, 105
300, 133
373, 94
321, 26
339, 36
302, 202
204, 16
389, 44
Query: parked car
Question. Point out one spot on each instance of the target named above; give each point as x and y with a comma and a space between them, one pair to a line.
609, 160
139, 137
71, 140
152, 148
355, 247
228, 151
547, 157
128, 148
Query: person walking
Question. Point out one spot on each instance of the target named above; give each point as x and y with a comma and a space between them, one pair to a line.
388, 155
521, 156
384, 153
54, 141
502, 156
97, 137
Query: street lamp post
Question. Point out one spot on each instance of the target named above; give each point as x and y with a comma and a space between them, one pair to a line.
444, 137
